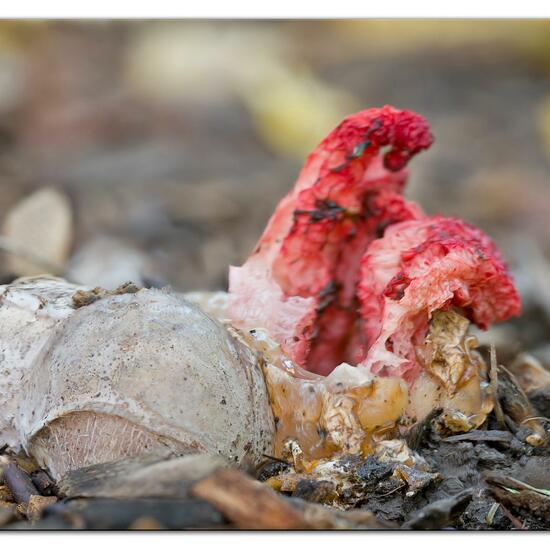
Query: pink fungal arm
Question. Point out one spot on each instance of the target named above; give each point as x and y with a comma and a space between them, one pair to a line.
421, 266
348, 270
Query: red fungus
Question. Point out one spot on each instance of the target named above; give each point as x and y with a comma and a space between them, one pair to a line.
330, 281
421, 266
300, 282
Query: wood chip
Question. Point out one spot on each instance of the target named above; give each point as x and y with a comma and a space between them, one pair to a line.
5, 494
19, 483
153, 475
482, 435
248, 503
441, 513
325, 517
36, 506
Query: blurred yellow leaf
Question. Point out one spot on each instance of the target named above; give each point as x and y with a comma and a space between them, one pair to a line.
206, 63
18, 35
293, 112
543, 122
400, 36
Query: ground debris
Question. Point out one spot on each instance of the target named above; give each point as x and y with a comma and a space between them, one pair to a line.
324, 517
530, 373
272, 467
488, 478
441, 513
420, 433
5, 494
121, 513
19, 483
371, 472
7, 514
350, 480
519, 496
322, 491
44, 483
248, 503
83, 298
416, 479
482, 435
447, 483
152, 475
37, 505
518, 410
541, 401
483, 513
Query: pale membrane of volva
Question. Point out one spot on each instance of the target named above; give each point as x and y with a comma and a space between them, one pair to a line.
136, 373
30, 309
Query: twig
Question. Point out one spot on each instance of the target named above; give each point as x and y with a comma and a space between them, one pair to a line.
275, 459
393, 490
544, 492
543, 418
515, 521
248, 503
19, 483
491, 513
482, 435
493, 376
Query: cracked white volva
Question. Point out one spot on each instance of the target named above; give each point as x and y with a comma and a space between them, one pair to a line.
29, 311
127, 374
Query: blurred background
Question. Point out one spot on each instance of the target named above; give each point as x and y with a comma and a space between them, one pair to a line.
156, 151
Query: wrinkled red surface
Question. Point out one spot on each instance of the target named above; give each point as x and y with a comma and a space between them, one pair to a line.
312, 280
421, 266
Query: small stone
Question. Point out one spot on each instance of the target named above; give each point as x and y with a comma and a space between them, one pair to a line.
40, 228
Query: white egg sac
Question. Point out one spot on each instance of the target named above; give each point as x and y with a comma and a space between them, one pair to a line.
126, 375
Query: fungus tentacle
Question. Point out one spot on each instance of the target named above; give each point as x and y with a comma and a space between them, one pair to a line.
419, 267
349, 271
300, 282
